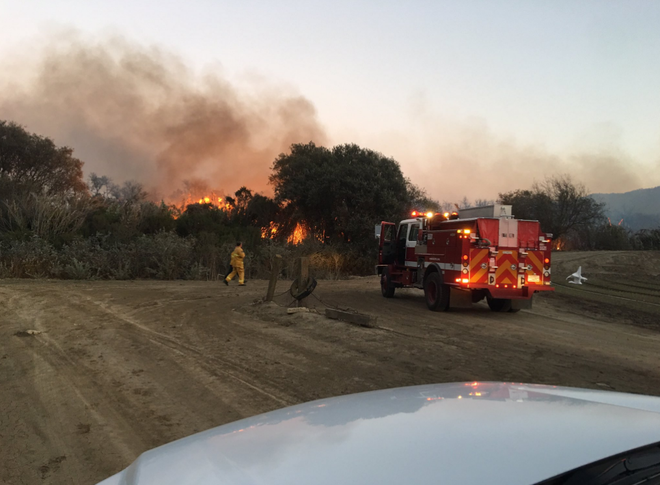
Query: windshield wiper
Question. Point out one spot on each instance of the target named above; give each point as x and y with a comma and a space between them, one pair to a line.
640, 466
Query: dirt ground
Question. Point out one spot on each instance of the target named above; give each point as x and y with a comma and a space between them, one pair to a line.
94, 373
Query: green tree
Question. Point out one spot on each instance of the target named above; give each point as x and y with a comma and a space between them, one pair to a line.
609, 237
199, 218
241, 204
262, 210
339, 193
647, 239
30, 163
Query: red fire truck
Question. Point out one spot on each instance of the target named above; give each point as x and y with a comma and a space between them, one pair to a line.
466, 256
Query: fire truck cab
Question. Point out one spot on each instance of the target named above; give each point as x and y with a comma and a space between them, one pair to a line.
466, 256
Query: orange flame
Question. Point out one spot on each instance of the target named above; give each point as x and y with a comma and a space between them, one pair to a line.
297, 236
269, 232
187, 200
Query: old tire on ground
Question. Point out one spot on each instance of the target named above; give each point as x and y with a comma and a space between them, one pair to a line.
499, 304
436, 293
386, 285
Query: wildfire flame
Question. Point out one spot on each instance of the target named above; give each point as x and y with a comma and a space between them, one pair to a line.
269, 232
298, 235
213, 199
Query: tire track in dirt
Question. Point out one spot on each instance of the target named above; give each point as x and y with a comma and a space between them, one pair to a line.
201, 357
51, 397
82, 388
137, 365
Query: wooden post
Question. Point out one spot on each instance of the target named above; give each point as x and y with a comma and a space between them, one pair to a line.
303, 277
273, 277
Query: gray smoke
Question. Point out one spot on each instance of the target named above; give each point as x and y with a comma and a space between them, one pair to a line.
457, 158
136, 112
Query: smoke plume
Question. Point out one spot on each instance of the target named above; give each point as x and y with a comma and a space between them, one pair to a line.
140, 113
135, 112
453, 158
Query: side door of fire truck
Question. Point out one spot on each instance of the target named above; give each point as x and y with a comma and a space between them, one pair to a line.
411, 244
401, 240
387, 245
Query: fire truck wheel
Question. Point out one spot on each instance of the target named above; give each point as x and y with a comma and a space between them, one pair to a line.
499, 304
436, 293
386, 285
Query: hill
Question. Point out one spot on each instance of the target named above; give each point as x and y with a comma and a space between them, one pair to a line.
639, 209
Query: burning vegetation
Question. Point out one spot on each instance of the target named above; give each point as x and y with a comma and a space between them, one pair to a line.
298, 235
138, 112
269, 232
274, 231
210, 200
329, 198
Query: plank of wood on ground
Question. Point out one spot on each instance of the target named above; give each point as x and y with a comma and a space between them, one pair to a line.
350, 317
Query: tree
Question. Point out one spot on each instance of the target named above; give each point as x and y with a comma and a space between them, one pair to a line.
240, 204
100, 186
129, 192
202, 218
559, 204
339, 193
419, 200
483, 202
30, 163
608, 237
262, 210
465, 203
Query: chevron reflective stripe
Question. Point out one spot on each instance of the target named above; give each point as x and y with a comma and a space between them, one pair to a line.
507, 267
535, 273
479, 265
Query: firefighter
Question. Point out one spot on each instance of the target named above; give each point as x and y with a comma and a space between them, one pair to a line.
237, 257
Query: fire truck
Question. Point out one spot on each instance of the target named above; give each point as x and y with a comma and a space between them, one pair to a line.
462, 257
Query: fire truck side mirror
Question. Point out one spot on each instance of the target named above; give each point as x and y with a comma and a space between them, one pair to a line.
377, 230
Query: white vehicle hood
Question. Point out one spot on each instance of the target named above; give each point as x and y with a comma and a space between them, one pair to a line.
466, 433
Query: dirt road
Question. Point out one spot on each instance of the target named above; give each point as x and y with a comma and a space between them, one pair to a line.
116, 368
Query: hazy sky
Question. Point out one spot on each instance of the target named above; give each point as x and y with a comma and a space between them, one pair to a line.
439, 85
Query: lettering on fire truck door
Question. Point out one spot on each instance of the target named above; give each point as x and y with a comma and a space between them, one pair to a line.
507, 257
508, 233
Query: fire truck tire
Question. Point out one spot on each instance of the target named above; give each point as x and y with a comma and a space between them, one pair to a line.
386, 285
436, 293
499, 304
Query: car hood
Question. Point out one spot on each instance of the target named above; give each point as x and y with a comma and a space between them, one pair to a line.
478, 432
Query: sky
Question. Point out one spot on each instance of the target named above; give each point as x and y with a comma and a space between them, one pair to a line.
492, 94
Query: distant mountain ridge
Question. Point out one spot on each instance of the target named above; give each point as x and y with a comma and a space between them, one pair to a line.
639, 209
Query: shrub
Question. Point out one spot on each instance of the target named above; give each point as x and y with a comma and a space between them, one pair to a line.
32, 258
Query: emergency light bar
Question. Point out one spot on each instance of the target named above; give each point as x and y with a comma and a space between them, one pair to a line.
431, 214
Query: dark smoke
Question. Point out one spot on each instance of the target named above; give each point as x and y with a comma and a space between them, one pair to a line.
140, 113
